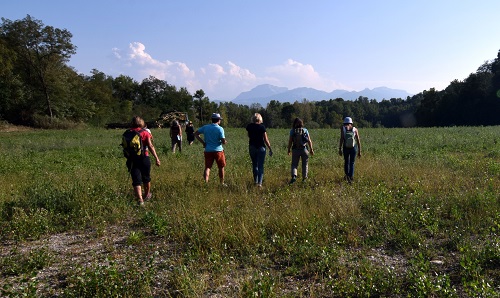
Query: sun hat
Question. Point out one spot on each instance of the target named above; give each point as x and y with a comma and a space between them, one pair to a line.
216, 116
347, 120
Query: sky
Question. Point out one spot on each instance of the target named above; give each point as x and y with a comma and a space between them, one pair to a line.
226, 47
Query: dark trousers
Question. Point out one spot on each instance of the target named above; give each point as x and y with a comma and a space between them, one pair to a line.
349, 159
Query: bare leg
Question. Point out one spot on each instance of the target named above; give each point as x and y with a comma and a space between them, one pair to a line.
221, 175
138, 193
147, 188
206, 174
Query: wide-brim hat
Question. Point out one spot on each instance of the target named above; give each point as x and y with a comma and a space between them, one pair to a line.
347, 120
216, 116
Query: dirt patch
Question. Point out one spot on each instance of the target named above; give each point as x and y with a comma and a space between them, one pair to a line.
7, 127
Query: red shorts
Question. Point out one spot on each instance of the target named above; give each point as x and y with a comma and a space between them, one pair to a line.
218, 157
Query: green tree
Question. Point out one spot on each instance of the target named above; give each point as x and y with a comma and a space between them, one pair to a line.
426, 113
12, 90
98, 90
203, 107
125, 88
288, 114
272, 117
493, 103
41, 51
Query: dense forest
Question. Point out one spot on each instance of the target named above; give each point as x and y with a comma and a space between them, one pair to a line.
38, 88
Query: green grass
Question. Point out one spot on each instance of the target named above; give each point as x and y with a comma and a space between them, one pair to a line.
421, 220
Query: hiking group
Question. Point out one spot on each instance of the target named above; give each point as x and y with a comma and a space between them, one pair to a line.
137, 142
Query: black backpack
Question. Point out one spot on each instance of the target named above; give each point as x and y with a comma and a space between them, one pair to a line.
132, 144
299, 138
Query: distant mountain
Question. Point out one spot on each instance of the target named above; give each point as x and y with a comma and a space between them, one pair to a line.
263, 94
261, 91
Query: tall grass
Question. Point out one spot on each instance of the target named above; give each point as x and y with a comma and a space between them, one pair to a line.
421, 219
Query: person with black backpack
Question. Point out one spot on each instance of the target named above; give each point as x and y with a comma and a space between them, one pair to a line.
349, 147
136, 143
301, 144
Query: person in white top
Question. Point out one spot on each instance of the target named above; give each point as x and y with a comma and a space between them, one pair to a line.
349, 147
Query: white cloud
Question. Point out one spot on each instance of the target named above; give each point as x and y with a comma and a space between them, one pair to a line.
116, 53
220, 82
293, 74
175, 73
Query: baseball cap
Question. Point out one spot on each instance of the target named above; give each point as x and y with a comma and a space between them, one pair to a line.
216, 116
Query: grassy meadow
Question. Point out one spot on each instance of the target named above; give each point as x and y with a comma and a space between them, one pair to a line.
422, 218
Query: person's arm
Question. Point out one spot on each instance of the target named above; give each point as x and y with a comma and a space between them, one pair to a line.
151, 147
310, 143
290, 140
266, 141
197, 136
223, 137
180, 130
359, 142
341, 142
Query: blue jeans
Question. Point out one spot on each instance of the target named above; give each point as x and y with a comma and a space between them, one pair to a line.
258, 156
349, 159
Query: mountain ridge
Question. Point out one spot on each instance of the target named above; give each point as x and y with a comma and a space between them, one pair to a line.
263, 94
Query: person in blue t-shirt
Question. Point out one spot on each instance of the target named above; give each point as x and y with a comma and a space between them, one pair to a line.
213, 140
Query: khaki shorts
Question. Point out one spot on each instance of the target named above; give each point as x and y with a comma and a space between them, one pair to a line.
218, 157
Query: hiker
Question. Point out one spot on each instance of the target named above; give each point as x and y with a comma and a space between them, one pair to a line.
214, 138
301, 144
190, 132
349, 146
139, 165
257, 142
176, 135
148, 130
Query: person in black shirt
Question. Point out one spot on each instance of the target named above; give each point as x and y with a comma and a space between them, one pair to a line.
257, 143
176, 135
190, 132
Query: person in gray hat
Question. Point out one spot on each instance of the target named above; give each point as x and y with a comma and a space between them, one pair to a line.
214, 138
349, 147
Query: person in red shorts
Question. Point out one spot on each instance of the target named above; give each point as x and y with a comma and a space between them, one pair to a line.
214, 138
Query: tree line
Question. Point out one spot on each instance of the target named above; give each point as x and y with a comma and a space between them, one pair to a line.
38, 88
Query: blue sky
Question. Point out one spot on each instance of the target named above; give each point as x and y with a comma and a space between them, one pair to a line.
228, 47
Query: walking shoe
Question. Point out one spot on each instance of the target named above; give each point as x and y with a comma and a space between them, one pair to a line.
293, 180
148, 196
141, 203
